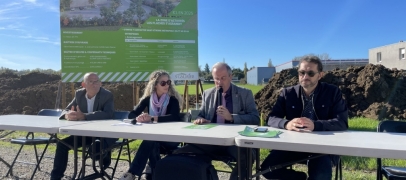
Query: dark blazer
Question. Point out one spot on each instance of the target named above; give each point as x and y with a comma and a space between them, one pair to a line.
172, 111
330, 108
103, 107
244, 107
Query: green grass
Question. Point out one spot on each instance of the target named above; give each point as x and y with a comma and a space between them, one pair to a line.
353, 167
192, 88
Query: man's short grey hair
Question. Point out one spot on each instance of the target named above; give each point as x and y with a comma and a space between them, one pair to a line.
87, 75
222, 64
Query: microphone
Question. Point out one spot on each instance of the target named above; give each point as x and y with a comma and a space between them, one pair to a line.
220, 96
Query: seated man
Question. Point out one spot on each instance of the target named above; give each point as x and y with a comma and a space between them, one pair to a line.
238, 107
90, 103
309, 106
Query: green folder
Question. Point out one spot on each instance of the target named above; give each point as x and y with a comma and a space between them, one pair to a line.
200, 126
248, 131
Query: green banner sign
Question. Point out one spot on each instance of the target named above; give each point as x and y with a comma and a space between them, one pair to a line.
125, 40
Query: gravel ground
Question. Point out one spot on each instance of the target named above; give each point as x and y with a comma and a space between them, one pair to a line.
24, 171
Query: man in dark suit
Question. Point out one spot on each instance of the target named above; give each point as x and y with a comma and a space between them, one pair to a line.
90, 103
237, 107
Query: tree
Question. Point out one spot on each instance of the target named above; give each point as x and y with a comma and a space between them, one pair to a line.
201, 73
115, 4
65, 4
270, 63
245, 69
207, 69
153, 12
91, 2
237, 72
140, 12
169, 6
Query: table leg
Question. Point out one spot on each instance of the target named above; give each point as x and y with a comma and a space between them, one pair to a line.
83, 157
75, 157
249, 163
239, 162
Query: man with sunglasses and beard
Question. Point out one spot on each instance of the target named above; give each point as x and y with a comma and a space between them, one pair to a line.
309, 106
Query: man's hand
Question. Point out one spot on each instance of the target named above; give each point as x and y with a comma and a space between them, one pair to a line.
297, 124
308, 123
143, 118
73, 115
80, 115
201, 121
223, 112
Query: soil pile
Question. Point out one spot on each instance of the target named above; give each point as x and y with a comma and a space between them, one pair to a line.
371, 91
28, 94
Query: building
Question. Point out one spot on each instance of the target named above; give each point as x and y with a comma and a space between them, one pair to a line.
391, 56
328, 65
257, 75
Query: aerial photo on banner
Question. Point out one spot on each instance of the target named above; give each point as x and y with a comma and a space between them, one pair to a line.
125, 40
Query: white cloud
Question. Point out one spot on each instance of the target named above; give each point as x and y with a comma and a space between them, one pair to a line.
7, 63
31, 1
40, 39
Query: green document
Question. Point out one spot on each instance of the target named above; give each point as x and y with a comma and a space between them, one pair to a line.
248, 131
126, 41
200, 126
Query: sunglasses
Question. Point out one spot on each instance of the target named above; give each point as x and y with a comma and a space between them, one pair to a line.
309, 73
164, 83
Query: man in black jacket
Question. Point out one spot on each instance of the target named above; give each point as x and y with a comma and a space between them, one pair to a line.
309, 106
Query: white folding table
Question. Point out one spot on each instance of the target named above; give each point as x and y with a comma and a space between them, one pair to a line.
35, 123
222, 135
350, 143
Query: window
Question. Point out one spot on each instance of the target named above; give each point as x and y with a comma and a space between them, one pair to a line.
402, 53
378, 57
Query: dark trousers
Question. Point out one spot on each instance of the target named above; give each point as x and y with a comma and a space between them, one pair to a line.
149, 150
221, 151
62, 152
318, 169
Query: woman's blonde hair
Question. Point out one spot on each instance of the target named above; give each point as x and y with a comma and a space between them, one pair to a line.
153, 81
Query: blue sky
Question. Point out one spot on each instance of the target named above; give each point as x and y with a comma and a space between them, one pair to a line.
238, 31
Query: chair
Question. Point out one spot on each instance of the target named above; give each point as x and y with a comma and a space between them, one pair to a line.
31, 140
390, 172
185, 117
118, 115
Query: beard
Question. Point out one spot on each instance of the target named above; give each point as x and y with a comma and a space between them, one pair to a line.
307, 83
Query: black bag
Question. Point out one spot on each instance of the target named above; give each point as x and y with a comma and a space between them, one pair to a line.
184, 167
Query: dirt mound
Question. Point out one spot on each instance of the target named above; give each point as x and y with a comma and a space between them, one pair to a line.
371, 91
28, 94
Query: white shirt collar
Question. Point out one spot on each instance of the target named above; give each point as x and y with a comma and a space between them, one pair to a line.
90, 103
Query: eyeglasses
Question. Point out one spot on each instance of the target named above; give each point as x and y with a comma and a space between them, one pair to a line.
164, 83
93, 82
309, 73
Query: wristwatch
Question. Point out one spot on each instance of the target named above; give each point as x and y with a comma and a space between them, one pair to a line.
153, 120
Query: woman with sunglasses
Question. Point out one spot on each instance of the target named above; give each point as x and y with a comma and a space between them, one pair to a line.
163, 104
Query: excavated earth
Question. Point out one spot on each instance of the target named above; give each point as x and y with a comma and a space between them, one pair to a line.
371, 91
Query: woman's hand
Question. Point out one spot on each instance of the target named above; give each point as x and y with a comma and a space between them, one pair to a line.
143, 118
